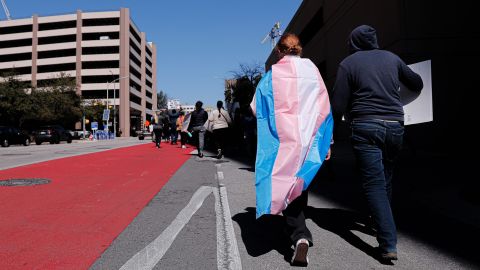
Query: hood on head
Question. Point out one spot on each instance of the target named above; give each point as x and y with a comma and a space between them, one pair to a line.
363, 38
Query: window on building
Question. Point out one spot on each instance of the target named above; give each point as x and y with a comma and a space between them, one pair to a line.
149, 105
135, 85
101, 21
100, 64
135, 35
135, 48
57, 25
57, 39
95, 94
57, 53
148, 51
15, 71
98, 36
149, 94
16, 29
135, 60
148, 73
135, 73
16, 43
100, 50
56, 67
135, 99
148, 83
149, 63
15, 57
98, 79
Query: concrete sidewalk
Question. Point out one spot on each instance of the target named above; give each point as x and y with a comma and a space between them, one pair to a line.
429, 236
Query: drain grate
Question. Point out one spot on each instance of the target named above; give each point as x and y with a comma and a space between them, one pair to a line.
24, 182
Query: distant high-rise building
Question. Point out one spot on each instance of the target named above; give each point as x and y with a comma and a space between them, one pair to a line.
102, 50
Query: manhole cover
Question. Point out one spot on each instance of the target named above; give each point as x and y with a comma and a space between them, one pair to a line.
24, 182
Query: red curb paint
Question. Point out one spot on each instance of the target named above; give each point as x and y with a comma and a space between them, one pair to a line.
92, 198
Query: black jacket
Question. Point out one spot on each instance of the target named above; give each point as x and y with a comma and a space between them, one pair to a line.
198, 118
368, 81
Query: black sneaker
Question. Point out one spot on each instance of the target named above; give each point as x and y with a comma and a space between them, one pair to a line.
200, 155
300, 257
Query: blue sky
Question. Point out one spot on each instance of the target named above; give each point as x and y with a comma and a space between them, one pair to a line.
198, 43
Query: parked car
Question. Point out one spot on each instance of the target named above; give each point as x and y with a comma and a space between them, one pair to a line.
145, 133
52, 134
12, 135
78, 134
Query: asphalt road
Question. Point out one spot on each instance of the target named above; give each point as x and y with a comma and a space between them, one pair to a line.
18, 155
204, 218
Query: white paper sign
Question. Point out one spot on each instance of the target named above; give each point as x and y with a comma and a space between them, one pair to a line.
418, 107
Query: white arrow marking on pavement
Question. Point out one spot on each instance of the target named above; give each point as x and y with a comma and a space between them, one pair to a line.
149, 256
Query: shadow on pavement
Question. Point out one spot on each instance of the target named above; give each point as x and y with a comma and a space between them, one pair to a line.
342, 222
263, 235
429, 199
435, 200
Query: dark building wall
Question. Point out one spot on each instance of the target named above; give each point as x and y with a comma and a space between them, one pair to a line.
443, 31
434, 187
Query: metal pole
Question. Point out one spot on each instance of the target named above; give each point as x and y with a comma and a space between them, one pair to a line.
83, 120
108, 85
114, 104
114, 112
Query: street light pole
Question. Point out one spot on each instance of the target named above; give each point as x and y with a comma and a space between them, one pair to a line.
114, 103
107, 104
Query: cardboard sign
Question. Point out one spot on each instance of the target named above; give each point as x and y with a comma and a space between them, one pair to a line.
418, 107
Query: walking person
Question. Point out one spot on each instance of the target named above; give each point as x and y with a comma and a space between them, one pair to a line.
183, 134
294, 126
220, 120
197, 120
157, 132
366, 92
173, 116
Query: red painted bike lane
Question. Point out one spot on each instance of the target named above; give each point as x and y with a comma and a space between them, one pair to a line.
91, 199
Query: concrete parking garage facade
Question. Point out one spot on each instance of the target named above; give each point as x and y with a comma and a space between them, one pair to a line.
96, 48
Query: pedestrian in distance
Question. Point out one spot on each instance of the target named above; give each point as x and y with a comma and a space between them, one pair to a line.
295, 127
183, 134
173, 116
157, 132
196, 126
220, 120
366, 93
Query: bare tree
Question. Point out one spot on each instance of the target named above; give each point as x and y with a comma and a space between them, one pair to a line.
243, 86
162, 100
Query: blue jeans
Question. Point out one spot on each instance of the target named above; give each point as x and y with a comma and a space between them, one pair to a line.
376, 145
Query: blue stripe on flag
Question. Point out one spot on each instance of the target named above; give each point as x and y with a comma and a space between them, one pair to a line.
267, 145
318, 152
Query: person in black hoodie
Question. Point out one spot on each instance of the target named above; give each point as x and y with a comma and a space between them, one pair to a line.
197, 120
367, 94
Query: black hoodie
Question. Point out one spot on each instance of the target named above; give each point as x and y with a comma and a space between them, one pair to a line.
368, 80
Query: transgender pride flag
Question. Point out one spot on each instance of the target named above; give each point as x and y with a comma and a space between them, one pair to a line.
294, 126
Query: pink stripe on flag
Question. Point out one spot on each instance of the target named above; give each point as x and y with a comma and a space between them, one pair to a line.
285, 95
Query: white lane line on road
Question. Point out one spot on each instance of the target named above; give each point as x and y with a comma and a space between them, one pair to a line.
149, 256
228, 256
